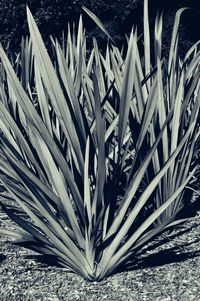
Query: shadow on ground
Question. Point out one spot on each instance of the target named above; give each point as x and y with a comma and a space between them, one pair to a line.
175, 254
161, 258
44, 260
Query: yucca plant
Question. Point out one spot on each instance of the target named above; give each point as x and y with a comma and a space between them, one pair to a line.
96, 150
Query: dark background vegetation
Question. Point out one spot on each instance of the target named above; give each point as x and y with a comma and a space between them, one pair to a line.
118, 16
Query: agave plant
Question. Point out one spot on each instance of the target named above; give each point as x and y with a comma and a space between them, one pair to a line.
96, 150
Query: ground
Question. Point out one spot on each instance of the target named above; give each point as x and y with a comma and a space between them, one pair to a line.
168, 270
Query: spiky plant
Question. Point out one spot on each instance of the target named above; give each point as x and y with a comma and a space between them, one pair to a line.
96, 150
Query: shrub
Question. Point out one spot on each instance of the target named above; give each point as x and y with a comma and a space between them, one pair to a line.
96, 150
52, 16
118, 15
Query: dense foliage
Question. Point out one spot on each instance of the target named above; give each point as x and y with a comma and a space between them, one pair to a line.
118, 16
53, 16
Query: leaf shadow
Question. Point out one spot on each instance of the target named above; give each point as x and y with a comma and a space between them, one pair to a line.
150, 257
161, 258
171, 235
44, 260
2, 257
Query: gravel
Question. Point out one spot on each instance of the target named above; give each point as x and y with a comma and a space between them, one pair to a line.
168, 270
